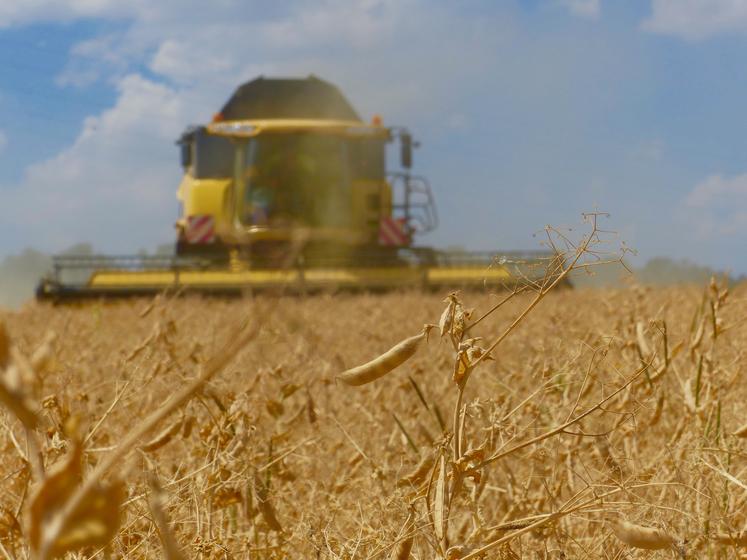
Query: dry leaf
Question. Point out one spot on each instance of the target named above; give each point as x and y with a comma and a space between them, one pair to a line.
226, 496
438, 504
275, 408
461, 367
689, 397
156, 501
19, 405
163, 438
94, 522
288, 389
738, 539
461, 316
187, 426
640, 336
447, 317
419, 473
467, 353
741, 432
402, 552
264, 505
310, 408
42, 359
10, 529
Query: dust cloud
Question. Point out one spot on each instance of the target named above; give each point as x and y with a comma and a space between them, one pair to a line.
20, 274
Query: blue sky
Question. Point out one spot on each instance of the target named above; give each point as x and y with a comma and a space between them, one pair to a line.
529, 112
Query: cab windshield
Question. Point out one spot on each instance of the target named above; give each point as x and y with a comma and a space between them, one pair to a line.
297, 179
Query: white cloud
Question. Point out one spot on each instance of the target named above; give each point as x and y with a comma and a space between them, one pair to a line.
583, 8
181, 62
717, 188
21, 12
697, 19
27, 11
359, 23
116, 181
96, 58
3, 141
718, 206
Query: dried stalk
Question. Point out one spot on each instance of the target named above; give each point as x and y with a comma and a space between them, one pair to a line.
212, 368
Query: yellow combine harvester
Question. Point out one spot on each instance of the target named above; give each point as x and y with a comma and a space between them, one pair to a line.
287, 188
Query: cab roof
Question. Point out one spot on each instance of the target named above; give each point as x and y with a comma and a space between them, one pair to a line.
288, 98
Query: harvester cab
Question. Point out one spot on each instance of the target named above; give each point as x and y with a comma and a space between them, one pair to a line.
266, 175
288, 187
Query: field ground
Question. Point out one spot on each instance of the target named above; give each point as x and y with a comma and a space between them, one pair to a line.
274, 458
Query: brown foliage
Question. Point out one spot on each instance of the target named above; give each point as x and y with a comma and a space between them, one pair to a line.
327, 471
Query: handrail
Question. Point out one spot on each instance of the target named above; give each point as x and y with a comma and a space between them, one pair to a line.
422, 210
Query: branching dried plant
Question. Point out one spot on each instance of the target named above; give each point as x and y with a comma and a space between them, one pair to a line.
459, 462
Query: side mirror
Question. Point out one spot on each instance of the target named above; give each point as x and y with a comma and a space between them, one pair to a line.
186, 153
405, 150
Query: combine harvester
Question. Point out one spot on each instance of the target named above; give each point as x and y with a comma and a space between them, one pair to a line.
287, 188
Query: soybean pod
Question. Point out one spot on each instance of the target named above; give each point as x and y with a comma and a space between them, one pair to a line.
647, 538
379, 367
